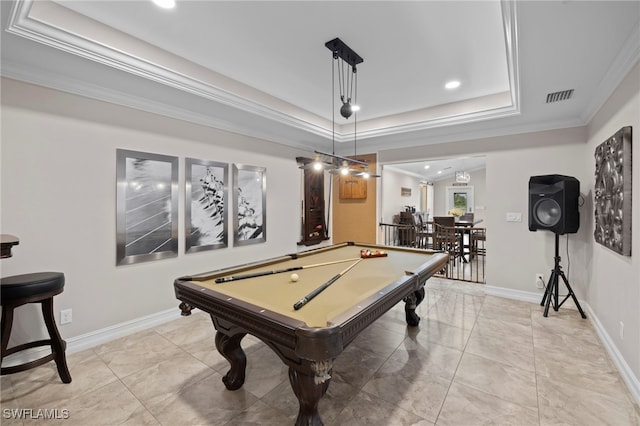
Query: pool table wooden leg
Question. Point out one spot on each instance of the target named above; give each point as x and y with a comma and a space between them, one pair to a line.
185, 309
411, 303
229, 347
309, 392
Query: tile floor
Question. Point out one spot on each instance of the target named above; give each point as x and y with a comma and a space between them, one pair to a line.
474, 360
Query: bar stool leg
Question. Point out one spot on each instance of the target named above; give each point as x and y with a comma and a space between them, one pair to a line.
6, 324
58, 345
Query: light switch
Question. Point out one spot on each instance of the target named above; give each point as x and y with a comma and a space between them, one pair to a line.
514, 217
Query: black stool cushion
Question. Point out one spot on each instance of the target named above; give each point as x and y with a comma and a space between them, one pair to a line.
26, 285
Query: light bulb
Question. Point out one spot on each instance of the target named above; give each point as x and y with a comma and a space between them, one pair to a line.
165, 4
344, 170
453, 84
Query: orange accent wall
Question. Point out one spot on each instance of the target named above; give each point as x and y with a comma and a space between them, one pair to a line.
355, 219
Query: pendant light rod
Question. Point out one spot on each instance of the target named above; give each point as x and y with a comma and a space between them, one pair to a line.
338, 157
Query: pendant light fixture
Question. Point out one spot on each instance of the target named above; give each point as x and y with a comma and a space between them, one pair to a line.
344, 61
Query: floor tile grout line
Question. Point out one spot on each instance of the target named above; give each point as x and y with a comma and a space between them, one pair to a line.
535, 369
453, 377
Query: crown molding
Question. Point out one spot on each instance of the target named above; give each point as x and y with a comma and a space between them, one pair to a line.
295, 128
457, 119
509, 23
25, 23
626, 59
511, 40
74, 86
22, 24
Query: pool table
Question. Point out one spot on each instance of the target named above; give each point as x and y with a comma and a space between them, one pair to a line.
307, 339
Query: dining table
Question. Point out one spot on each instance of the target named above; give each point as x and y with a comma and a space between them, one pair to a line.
464, 228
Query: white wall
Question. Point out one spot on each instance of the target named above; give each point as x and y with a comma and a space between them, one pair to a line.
392, 201
515, 254
613, 283
59, 191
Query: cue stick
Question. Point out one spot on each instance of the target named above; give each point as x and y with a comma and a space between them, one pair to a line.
279, 271
300, 303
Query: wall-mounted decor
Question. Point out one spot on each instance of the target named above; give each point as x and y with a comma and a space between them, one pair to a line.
250, 200
205, 205
405, 192
314, 229
352, 187
612, 192
146, 207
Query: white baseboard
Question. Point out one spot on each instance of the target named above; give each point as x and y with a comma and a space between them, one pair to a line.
632, 382
98, 337
525, 296
623, 368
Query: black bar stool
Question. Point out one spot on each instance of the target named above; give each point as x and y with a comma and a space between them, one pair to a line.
40, 288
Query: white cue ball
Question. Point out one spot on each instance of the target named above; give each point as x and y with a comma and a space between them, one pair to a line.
294, 277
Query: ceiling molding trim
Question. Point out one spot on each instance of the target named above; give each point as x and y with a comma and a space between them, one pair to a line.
393, 168
509, 23
397, 168
22, 25
459, 119
626, 59
416, 140
99, 93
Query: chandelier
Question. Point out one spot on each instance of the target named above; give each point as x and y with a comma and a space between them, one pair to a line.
462, 177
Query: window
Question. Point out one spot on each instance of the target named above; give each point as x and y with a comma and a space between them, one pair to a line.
460, 197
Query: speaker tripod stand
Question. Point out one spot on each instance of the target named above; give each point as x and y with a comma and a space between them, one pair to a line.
552, 286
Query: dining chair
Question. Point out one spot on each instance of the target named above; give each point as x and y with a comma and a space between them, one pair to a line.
445, 220
445, 236
424, 235
478, 239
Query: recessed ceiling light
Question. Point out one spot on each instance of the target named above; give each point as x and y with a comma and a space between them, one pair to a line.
165, 4
453, 84
427, 166
439, 172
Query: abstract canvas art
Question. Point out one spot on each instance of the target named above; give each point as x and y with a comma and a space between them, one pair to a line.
250, 192
206, 205
612, 192
146, 207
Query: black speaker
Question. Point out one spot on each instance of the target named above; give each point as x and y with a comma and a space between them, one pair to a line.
553, 203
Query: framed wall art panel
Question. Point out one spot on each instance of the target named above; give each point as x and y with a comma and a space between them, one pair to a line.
612, 192
250, 201
146, 207
206, 205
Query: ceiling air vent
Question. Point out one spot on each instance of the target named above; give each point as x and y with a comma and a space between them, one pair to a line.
559, 96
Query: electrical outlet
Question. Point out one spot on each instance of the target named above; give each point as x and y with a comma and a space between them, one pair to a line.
540, 280
514, 217
66, 316
621, 330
